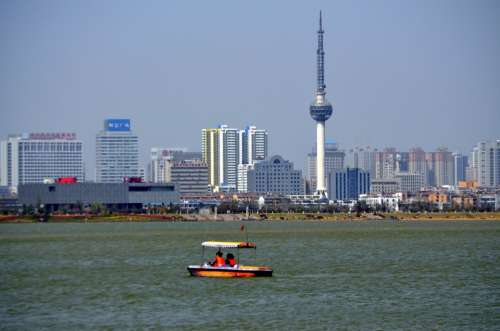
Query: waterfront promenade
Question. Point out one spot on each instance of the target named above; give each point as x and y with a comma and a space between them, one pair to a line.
179, 217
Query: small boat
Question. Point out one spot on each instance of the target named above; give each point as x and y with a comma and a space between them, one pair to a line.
238, 270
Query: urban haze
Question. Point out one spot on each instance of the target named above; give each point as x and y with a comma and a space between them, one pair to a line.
398, 74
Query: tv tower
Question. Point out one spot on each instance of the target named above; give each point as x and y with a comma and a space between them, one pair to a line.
320, 111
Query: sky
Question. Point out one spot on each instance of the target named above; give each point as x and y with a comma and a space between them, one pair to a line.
398, 73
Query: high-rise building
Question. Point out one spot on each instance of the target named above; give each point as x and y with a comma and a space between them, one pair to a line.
275, 175
220, 150
416, 162
320, 111
402, 161
190, 176
486, 161
253, 145
439, 167
348, 184
333, 160
117, 152
243, 177
362, 158
385, 163
32, 158
460, 165
161, 162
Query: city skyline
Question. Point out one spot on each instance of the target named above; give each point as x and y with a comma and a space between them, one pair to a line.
424, 82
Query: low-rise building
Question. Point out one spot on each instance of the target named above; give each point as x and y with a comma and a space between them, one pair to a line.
275, 175
384, 186
348, 184
468, 184
438, 197
390, 202
115, 196
190, 176
462, 201
410, 182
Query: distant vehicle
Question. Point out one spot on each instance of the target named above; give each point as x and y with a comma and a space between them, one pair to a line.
132, 179
66, 180
49, 180
209, 270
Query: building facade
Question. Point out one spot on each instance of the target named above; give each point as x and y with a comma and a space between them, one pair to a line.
117, 152
487, 163
220, 150
253, 145
385, 163
190, 176
115, 196
243, 177
460, 165
362, 158
32, 158
162, 158
275, 175
410, 182
348, 184
385, 186
439, 167
417, 163
224, 149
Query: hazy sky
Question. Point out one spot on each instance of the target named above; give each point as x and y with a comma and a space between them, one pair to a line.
398, 73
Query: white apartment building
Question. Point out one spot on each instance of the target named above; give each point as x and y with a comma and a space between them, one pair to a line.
32, 158
243, 177
224, 148
253, 145
486, 163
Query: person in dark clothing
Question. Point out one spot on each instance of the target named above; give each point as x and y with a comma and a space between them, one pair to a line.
230, 261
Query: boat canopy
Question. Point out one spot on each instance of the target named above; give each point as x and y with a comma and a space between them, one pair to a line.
228, 244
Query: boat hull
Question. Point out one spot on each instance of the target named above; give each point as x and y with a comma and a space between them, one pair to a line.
229, 272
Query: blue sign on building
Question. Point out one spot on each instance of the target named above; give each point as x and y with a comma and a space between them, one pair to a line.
117, 124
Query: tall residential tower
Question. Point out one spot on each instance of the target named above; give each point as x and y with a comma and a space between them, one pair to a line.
320, 111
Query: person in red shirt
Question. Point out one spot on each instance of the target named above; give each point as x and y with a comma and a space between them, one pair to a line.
230, 260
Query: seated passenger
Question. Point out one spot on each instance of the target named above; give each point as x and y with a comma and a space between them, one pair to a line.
219, 260
230, 260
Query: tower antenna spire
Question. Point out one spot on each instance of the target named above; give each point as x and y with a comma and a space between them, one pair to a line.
320, 22
320, 54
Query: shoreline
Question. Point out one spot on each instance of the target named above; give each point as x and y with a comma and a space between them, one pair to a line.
394, 216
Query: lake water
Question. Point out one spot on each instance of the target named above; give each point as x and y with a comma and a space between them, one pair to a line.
327, 275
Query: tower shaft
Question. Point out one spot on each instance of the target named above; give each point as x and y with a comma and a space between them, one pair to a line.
320, 158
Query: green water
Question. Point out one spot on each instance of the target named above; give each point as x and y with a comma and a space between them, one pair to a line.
350, 275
